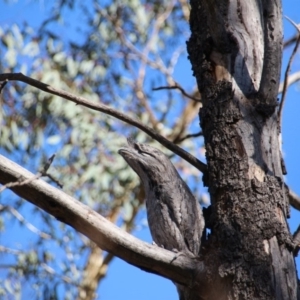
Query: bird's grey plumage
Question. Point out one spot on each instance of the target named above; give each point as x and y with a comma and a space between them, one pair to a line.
174, 216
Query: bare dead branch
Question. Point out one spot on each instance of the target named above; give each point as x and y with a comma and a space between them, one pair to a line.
294, 200
10, 250
290, 41
291, 80
20, 182
287, 71
178, 88
273, 48
104, 233
51, 271
188, 136
28, 224
110, 111
37, 176
293, 23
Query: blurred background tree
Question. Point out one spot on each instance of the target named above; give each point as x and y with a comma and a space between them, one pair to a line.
130, 55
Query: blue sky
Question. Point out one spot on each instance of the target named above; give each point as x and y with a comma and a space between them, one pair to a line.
124, 281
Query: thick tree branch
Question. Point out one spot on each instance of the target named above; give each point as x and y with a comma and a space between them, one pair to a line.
110, 111
271, 13
104, 233
286, 79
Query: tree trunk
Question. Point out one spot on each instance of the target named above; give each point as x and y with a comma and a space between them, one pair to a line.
235, 50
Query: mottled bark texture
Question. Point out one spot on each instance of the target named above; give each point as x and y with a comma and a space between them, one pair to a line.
235, 49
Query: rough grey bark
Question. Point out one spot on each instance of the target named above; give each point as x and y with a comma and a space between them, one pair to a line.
174, 215
235, 50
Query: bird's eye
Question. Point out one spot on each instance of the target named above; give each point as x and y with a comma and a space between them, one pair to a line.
147, 154
143, 151
138, 148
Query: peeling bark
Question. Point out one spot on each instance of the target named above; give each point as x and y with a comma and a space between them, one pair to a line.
235, 50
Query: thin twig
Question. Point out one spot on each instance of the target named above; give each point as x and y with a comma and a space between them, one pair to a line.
290, 41
174, 59
294, 200
20, 182
2, 84
293, 23
178, 88
10, 250
110, 111
188, 136
291, 80
37, 176
51, 271
28, 225
287, 71
158, 23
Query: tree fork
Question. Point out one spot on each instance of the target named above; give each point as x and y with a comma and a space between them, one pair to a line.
235, 50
